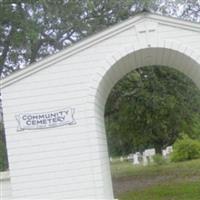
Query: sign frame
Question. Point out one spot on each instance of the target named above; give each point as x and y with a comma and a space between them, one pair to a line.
45, 120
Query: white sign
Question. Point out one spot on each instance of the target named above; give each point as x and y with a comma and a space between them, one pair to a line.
29, 121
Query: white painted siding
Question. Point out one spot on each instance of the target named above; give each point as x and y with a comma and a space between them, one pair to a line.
5, 186
72, 161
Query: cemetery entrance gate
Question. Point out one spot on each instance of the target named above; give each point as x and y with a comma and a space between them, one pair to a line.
54, 109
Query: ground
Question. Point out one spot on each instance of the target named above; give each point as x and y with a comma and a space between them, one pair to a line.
172, 181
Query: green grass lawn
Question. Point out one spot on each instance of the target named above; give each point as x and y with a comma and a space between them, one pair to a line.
170, 191
181, 169
183, 184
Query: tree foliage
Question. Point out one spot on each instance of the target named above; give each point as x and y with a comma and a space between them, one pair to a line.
186, 148
31, 30
150, 107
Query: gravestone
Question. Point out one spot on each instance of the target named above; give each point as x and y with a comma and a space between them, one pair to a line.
148, 156
136, 158
166, 152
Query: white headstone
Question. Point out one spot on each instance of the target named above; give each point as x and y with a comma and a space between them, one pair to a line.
136, 160
166, 152
148, 156
169, 149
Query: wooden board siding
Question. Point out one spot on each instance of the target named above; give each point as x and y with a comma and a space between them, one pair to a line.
72, 161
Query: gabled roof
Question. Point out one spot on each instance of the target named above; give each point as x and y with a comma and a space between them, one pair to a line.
94, 39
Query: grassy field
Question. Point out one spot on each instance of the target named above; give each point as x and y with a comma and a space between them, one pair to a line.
169, 191
172, 181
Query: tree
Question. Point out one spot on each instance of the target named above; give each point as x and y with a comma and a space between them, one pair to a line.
150, 107
31, 30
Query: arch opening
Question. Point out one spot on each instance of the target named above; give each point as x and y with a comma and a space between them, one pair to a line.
153, 100
122, 64
146, 57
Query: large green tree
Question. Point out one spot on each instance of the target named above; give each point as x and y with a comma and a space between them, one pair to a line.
151, 107
31, 30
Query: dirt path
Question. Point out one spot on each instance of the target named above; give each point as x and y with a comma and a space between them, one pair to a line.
126, 184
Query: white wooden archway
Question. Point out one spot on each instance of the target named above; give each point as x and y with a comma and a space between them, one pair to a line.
171, 54
71, 161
